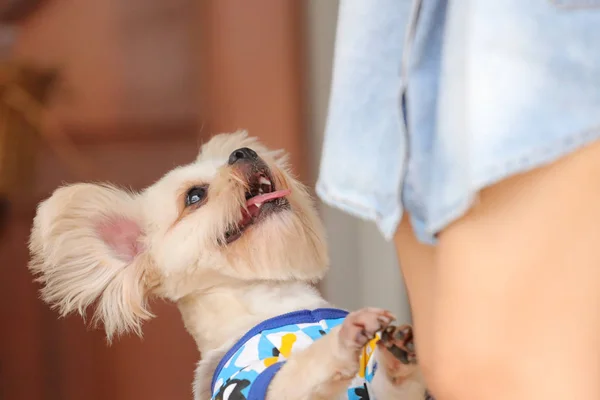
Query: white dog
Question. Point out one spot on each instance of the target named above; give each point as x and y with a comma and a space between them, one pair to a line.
236, 243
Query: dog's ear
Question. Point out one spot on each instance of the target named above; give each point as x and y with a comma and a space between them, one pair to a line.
86, 248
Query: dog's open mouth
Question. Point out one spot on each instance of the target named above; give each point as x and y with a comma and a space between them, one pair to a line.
262, 198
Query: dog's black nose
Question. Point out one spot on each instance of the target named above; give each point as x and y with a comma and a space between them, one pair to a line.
244, 153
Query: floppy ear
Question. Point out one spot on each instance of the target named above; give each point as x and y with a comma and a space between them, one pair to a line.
86, 247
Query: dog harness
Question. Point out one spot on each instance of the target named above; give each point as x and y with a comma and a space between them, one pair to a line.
247, 369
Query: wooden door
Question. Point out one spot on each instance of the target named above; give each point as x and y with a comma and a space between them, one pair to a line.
145, 81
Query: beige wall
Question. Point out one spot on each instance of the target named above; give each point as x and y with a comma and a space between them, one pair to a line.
364, 267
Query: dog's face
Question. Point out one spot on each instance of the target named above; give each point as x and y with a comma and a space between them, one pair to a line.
233, 214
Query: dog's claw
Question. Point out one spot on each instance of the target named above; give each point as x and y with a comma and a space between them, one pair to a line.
361, 326
399, 354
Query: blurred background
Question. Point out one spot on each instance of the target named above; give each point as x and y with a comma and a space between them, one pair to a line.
123, 91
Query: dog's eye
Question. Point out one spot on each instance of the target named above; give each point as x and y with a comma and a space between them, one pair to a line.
195, 195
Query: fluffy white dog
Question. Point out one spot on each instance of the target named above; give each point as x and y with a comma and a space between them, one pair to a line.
236, 243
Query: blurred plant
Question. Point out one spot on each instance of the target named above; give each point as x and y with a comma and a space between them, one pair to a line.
24, 92
15, 10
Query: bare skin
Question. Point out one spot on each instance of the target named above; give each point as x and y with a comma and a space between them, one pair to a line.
507, 306
417, 266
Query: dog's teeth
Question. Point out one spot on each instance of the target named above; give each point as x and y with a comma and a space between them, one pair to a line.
260, 191
259, 205
264, 181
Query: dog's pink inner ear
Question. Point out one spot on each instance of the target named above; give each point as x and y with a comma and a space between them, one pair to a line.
122, 236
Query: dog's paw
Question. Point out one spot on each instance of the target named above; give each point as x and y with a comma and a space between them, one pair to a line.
397, 352
361, 326
399, 342
357, 329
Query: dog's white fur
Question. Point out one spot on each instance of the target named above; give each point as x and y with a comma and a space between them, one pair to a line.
97, 244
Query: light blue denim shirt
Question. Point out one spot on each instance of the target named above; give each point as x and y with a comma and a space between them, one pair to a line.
433, 100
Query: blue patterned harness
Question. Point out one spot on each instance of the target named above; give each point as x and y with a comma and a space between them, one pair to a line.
247, 369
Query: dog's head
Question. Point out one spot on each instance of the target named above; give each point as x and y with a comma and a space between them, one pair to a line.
233, 214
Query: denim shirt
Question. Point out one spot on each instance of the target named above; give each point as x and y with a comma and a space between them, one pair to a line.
433, 100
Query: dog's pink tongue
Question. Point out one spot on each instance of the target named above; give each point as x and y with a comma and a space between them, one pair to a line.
267, 196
